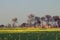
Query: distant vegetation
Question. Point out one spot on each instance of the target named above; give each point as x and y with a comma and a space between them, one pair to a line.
31, 36
46, 21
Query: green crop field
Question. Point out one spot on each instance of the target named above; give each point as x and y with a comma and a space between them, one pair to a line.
29, 34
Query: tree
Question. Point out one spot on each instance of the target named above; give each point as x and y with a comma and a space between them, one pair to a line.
56, 18
14, 21
2, 25
58, 23
24, 25
9, 25
37, 21
43, 18
43, 21
31, 19
48, 17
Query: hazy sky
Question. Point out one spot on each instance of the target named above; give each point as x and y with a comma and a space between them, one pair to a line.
21, 8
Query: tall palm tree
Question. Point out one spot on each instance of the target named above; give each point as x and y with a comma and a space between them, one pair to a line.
14, 21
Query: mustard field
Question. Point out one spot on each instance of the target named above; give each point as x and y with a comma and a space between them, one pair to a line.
29, 33
18, 30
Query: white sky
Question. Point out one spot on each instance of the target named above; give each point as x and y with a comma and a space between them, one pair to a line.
21, 8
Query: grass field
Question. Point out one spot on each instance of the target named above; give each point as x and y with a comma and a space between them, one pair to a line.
29, 34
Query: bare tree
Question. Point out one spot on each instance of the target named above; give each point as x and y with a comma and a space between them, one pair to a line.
31, 19
14, 21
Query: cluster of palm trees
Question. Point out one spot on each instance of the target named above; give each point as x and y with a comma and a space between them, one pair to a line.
45, 21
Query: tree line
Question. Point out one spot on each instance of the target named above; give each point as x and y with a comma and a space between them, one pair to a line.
46, 21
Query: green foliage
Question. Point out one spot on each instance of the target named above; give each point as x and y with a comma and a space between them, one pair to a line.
31, 36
